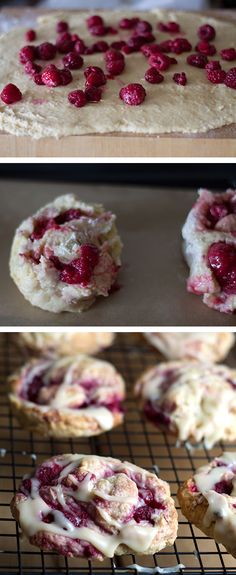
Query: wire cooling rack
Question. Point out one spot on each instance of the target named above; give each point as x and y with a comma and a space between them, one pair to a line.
136, 441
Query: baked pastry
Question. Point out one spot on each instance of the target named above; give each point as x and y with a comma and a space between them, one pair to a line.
66, 255
207, 499
67, 397
209, 235
192, 400
95, 507
139, 87
63, 343
205, 346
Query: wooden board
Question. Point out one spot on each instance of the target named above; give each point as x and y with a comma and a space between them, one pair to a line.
219, 143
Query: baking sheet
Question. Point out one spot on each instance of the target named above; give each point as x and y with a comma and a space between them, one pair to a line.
153, 275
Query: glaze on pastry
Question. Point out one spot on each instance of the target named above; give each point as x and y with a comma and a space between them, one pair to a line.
63, 343
208, 500
209, 235
67, 397
205, 346
95, 507
66, 255
192, 400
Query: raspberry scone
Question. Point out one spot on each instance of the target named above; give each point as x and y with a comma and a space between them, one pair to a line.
209, 235
95, 507
140, 72
208, 500
63, 343
67, 397
66, 255
192, 400
210, 347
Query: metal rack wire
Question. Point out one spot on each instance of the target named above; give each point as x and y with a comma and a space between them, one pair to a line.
137, 441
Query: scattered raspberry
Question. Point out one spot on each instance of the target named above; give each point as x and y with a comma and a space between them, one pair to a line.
159, 61
66, 77
180, 45
74, 37
114, 61
153, 76
180, 78
128, 23
30, 35
79, 47
230, 79
118, 45
93, 94
111, 30
94, 21
38, 79
11, 94
197, 60
228, 54
65, 43
206, 32
61, 27
46, 51
205, 48
216, 76
171, 27
133, 44
143, 26
95, 79
98, 30
148, 49
27, 53
133, 94
31, 68
91, 69
165, 46
51, 76
100, 46
77, 98
213, 65
73, 61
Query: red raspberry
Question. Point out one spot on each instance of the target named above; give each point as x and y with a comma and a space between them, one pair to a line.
228, 54
213, 65
171, 27
111, 30
91, 69
134, 44
79, 47
61, 27
27, 53
94, 21
115, 67
149, 49
197, 60
46, 51
93, 94
72, 61
206, 32
98, 30
10, 94
30, 35
66, 77
100, 46
74, 37
180, 78
153, 76
166, 46
65, 43
128, 23
205, 48
230, 79
159, 61
133, 94
89, 51
51, 76
112, 55
143, 26
216, 76
180, 45
38, 79
118, 45
95, 79
31, 68
77, 98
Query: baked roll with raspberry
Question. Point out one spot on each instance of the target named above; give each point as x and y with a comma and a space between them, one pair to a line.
66, 255
63, 343
67, 397
192, 400
209, 235
205, 346
95, 507
207, 499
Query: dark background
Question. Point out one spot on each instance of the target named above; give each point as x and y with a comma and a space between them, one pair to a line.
185, 175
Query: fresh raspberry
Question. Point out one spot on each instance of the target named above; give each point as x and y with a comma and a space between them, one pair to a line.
205, 48
165, 46
93, 94
143, 514
228, 54
98, 30
31, 68
27, 53
10, 94
180, 45
230, 78
115, 67
128, 23
222, 261
153, 76
95, 79
74, 37
148, 49
180, 78
143, 26
197, 60
51, 76
79, 47
118, 45
216, 76
100, 46
65, 43
213, 65
38, 79
91, 69
73, 61
159, 61
66, 77
77, 98
30, 35
94, 21
61, 27
88, 51
46, 51
206, 32
111, 30
171, 27
134, 44
133, 94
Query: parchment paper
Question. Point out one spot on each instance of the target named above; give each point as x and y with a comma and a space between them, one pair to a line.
154, 273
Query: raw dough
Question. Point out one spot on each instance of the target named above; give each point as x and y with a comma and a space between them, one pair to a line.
197, 107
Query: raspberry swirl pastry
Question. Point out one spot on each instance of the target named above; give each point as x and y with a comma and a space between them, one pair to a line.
66, 255
200, 346
208, 500
63, 343
68, 397
209, 235
192, 400
95, 507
